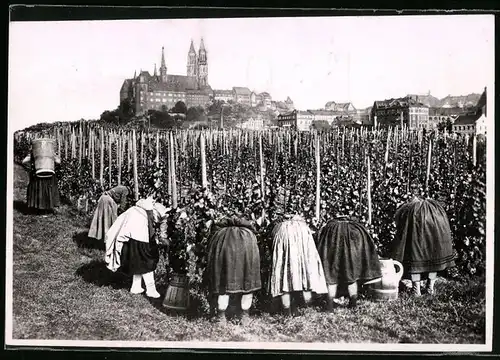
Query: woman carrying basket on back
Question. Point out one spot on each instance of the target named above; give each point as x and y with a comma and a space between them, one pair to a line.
42, 194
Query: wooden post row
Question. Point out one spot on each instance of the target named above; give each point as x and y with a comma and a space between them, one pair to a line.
204, 182
172, 171
368, 188
427, 175
110, 158
101, 169
318, 173
92, 151
262, 184
136, 180
119, 157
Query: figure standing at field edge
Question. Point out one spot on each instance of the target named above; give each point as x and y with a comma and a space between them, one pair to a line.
42, 194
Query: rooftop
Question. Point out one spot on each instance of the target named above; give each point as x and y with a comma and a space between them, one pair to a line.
469, 119
242, 90
397, 103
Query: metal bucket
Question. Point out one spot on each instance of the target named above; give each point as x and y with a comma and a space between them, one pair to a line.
44, 153
379, 294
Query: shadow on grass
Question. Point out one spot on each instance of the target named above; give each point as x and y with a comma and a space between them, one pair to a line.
22, 207
82, 240
96, 272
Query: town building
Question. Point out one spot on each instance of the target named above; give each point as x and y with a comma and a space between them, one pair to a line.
363, 117
340, 108
474, 121
427, 99
266, 99
296, 119
390, 112
242, 95
323, 115
161, 91
289, 103
439, 115
253, 123
223, 95
255, 99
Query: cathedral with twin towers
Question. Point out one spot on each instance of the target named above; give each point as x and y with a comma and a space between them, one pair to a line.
161, 91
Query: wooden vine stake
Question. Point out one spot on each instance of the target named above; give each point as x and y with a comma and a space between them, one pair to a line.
58, 142
101, 173
204, 182
157, 149
369, 188
169, 159
92, 151
429, 157
134, 155
119, 158
474, 150
80, 148
142, 147
73, 145
129, 152
262, 185
318, 173
172, 172
387, 145
110, 157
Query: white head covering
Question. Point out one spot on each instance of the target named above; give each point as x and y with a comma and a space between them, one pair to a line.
160, 209
146, 204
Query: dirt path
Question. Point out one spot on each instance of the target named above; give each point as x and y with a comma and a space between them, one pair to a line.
62, 290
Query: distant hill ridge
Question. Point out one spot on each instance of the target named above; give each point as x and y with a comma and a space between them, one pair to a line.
448, 101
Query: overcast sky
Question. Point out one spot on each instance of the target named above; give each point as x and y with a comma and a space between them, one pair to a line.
61, 71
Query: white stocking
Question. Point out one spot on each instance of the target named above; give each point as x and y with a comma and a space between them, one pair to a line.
285, 300
222, 302
136, 285
149, 280
246, 301
307, 296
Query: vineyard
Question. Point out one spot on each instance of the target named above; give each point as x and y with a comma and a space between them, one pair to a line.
265, 175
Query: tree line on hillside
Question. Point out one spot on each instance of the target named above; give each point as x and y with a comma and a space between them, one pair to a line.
180, 116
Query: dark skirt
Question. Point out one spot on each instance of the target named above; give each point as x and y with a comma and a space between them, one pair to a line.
423, 240
139, 257
233, 259
104, 216
348, 253
42, 193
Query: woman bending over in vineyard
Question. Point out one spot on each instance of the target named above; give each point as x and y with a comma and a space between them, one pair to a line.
423, 241
107, 210
349, 256
43, 193
296, 265
131, 245
233, 265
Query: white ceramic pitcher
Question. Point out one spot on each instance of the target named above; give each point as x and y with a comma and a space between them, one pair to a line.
390, 277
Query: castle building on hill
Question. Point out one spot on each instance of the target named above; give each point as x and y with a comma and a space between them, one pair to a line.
162, 91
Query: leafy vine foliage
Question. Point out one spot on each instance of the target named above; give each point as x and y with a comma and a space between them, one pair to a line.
398, 170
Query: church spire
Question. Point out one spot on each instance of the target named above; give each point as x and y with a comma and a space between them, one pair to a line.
135, 74
162, 57
191, 48
163, 67
202, 45
155, 70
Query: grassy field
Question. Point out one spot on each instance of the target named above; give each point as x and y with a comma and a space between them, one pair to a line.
62, 290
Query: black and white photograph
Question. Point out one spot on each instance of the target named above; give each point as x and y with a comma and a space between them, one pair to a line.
284, 183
